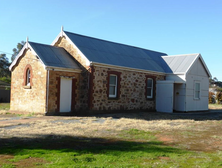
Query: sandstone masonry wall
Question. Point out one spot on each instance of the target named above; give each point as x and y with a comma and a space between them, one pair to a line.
62, 42
132, 91
33, 99
53, 98
83, 85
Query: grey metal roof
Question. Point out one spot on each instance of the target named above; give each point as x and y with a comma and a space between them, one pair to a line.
106, 52
180, 63
54, 56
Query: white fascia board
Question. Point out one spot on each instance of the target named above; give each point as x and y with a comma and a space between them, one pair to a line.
204, 64
169, 82
57, 38
177, 73
165, 82
126, 68
62, 69
61, 34
26, 46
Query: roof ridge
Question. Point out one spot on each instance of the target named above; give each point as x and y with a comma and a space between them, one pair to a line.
180, 55
44, 44
114, 42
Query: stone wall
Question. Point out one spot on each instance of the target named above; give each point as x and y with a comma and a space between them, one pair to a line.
84, 77
62, 42
28, 99
80, 101
132, 91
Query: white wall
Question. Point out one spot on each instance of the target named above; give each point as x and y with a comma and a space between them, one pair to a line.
174, 77
197, 73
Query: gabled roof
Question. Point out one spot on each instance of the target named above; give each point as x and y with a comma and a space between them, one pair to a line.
53, 56
50, 56
115, 54
181, 64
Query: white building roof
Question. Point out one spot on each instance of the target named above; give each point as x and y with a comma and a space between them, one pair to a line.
180, 64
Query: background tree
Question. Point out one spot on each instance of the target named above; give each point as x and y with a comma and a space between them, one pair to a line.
17, 50
4, 65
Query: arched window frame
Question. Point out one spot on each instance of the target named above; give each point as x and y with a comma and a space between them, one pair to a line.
28, 77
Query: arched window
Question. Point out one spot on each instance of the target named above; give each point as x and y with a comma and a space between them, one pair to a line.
28, 77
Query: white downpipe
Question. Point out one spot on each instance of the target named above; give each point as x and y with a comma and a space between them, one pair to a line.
47, 92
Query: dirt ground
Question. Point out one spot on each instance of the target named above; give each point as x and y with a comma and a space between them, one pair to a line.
190, 131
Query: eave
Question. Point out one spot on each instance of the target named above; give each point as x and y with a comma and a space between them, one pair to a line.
126, 68
25, 47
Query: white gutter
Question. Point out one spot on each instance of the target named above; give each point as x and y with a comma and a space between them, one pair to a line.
125, 68
63, 69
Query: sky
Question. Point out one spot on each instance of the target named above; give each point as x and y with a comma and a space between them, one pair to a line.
170, 26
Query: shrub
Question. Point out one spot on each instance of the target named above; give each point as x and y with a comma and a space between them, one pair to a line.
219, 97
211, 99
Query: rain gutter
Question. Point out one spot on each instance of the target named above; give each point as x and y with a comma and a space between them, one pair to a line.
126, 68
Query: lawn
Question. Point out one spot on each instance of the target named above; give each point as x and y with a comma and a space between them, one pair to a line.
129, 148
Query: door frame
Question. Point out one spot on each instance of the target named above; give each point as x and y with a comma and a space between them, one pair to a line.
65, 95
73, 95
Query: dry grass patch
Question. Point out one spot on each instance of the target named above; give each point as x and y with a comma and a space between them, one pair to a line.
142, 139
215, 106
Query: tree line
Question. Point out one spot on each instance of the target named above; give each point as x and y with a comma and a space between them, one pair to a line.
5, 74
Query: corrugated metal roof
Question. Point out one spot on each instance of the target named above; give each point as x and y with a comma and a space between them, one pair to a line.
54, 56
180, 63
106, 52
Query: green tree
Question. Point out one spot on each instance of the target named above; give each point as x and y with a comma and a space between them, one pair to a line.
4, 65
17, 50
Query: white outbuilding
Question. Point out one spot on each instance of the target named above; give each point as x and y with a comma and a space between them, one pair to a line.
186, 86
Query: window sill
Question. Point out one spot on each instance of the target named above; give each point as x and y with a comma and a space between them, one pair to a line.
27, 87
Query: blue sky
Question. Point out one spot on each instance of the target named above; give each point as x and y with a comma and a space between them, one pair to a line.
169, 26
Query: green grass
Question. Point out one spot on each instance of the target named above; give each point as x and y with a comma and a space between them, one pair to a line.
141, 150
4, 106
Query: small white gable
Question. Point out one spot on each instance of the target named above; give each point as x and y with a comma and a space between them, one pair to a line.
183, 64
